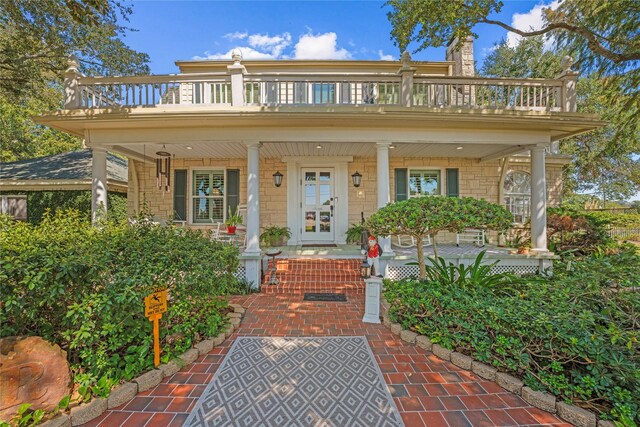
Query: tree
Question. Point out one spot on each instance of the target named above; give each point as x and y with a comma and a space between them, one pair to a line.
603, 36
36, 39
427, 216
602, 163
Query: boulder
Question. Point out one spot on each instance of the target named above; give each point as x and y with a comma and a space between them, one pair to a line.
33, 371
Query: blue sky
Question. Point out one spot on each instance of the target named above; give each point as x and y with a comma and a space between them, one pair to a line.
172, 30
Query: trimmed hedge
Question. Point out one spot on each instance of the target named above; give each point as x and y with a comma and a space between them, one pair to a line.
82, 288
574, 334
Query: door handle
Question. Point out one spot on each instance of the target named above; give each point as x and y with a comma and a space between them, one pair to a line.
331, 209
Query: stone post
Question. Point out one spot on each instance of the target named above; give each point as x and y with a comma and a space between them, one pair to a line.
464, 66
237, 71
569, 80
406, 86
372, 300
71, 87
538, 201
98, 183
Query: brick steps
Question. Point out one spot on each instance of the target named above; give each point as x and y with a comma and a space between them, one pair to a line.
298, 276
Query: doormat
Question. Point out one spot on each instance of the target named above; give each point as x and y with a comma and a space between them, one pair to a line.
320, 245
294, 381
309, 296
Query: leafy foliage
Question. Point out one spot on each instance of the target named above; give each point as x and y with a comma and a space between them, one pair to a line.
574, 334
427, 216
82, 288
274, 235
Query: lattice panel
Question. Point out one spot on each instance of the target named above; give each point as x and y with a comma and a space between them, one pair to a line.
240, 273
515, 269
397, 272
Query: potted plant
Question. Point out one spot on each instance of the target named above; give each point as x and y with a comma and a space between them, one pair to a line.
233, 219
354, 234
275, 236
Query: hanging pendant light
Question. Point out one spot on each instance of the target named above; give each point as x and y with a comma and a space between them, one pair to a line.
163, 170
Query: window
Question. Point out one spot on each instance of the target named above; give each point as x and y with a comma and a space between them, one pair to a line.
324, 93
517, 195
425, 183
207, 196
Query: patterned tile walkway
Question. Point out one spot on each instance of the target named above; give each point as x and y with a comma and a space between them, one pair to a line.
427, 390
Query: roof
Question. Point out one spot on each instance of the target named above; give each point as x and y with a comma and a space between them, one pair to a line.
73, 165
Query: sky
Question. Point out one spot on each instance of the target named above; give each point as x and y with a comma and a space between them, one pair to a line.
179, 30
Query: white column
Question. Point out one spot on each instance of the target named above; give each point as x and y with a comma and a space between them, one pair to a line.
384, 195
253, 198
99, 183
538, 201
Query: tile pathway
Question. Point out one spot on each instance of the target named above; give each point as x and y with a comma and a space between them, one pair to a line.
427, 390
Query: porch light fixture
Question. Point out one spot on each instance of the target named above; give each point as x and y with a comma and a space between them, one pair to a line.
459, 147
277, 179
365, 269
357, 179
319, 147
163, 170
391, 147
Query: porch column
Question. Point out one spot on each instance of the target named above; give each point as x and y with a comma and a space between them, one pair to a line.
98, 183
253, 198
384, 195
538, 201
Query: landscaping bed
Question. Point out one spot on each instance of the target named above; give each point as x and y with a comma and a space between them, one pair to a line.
82, 288
574, 334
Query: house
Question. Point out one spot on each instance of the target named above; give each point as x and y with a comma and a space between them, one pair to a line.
347, 137
72, 171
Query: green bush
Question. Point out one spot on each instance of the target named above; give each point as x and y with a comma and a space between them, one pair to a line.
82, 287
574, 334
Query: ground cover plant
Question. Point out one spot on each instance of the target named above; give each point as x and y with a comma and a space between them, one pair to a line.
82, 287
574, 334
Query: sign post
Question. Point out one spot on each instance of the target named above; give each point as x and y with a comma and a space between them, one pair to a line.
154, 305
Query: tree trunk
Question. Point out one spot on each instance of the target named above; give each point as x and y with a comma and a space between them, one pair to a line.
435, 247
420, 250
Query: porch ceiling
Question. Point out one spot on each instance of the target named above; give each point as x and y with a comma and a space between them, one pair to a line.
310, 149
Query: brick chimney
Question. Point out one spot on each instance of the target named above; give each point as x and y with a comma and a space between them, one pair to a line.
463, 58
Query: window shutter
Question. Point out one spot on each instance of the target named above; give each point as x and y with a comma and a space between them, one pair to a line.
401, 184
180, 194
233, 189
453, 189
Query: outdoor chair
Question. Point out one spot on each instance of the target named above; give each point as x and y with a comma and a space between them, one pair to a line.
404, 241
471, 235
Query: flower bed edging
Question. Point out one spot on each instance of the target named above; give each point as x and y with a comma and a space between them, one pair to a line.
576, 415
125, 392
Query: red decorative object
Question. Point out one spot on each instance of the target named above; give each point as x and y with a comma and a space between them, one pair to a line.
231, 229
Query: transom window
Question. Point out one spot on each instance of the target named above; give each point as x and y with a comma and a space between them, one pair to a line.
517, 195
425, 183
207, 196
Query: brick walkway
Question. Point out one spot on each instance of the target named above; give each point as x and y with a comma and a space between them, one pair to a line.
427, 390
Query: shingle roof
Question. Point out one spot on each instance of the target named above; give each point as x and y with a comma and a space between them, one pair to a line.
74, 165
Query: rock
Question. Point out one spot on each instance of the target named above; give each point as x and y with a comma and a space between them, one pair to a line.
88, 411
509, 382
34, 371
386, 320
121, 394
170, 368
605, 423
148, 380
408, 336
539, 399
228, 331
577, 416
441, 352
396, 328
60, 420
219, 339
485, 371
233, 315
235, 321
461, 360
237, 308
189, 356
205, 346
424, 342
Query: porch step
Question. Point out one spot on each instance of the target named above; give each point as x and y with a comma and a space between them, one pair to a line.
298, 276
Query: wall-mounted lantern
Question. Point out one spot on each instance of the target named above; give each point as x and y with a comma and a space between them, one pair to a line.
365, 270
357, 179
277, 179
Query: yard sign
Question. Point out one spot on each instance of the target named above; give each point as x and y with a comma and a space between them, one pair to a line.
154, 305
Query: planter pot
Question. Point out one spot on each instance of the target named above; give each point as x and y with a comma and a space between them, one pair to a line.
523, 251
231, 229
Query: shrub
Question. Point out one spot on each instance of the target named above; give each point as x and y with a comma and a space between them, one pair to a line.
82, 288
574, 334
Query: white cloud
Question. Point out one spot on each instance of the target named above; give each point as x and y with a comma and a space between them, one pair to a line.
385, 57
530, 20
321, 46
274, 45
236, 35
247, 53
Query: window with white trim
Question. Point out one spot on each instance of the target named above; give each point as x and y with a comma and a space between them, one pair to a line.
517, 195
207, 196
425, 182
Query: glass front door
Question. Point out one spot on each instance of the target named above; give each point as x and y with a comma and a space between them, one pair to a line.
317, 206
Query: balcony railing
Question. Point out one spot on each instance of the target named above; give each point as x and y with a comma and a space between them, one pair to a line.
294, 90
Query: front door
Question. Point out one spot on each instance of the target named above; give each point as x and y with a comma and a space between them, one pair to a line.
317, 206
